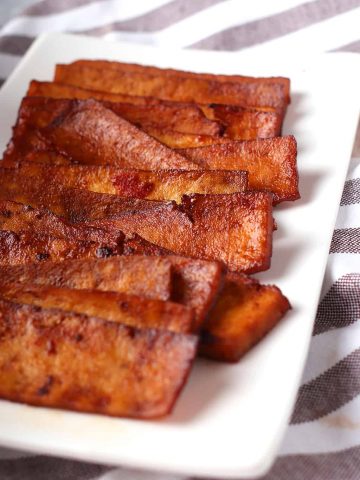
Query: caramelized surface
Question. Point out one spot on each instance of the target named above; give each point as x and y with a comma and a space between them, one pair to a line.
28, 247
85, 130
149, 277
235, 229
243, 314
66, 360
132, 67
271, 163
20, 218
117, 307
173, 87
155, 185
148, 112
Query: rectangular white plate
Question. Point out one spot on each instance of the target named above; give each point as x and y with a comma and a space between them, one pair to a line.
230, 419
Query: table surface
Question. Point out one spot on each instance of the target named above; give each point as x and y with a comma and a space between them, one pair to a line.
10, 8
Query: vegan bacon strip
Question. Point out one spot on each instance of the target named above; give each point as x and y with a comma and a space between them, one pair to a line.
147, 277
152, 185
66, 360
189, 88
235, 229
153, 114
117, 307
271, 163
165, 72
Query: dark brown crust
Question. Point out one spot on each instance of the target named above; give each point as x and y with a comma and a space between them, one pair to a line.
235, 229
189, 88
149, 277
156, 185
271, 163
132, 67
182, 117
104, 137
196, 283
20, 218
29, 247
117, 307
148, 112
243, 314
66, 360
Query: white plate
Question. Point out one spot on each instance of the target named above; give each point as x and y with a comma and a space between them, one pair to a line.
230, 419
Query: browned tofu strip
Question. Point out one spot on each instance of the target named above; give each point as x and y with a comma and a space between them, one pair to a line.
271, 163
235, 229
149, 277
28, 247
243, 314
193, 283
214, 119
156, 185
132, 67
87, 130
173, 87
67, 360
20, 218
183, 117
123, 308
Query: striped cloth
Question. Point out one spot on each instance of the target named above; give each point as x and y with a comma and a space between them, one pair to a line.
323, 439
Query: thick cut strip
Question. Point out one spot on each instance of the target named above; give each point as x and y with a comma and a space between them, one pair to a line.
235, 229
182, 117
132, 67
271, 163
29, 247
149, 277
213, 119
131, 310
157, 185
66, 360
20, 218
243, 314
172, 87
87, 129
107, 138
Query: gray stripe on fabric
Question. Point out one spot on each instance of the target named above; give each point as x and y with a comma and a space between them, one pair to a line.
2, 81
345, 240
274, 26
157, 19
350, 47
44, 468
351, 192
341, 305
329, 391
15, 44
48, 7
343, 465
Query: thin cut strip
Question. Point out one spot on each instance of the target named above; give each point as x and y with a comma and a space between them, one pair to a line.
182, 117
172, 87
29, 247
131, 310
235, 229
132, 67
149, 277
156, 185
212, 119
271, 163
243, 314
66, 360
20, 218
193, 283
87, 129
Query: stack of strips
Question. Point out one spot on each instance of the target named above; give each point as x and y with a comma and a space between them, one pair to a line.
134, 202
